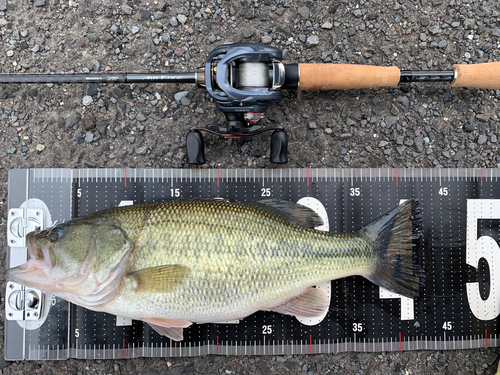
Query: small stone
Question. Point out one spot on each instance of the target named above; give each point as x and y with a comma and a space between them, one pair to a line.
483, 117
468, 127
40, 147
173, 21
182, 18
12, 150
304, 12
312, 125
145, 14
391, 120
3, 5
247, 32
32, 93
73, 119
447, 97
93, 89
135, 29
435, 30
10, 53
266, 39
495, 32
185, 101
80, 138
87, 100
312, 40
126, 9
443, 44
424, 21
142, 150
180, 95
39, 3
140, 117
327, 25
482, 139
383, 143
89, 137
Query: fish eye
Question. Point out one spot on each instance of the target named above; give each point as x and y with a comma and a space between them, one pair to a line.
55, 234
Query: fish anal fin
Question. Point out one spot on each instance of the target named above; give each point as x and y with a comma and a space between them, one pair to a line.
172, 328
312, 303
160, 279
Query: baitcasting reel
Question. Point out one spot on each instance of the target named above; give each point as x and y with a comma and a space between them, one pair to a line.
242, 79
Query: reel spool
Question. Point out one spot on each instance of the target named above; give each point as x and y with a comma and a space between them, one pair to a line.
253, 74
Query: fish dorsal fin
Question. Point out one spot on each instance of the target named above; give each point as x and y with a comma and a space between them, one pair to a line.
172, 328
312, 303
296, 213
160, 279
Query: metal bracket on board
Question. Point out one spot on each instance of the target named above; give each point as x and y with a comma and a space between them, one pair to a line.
20, 222
22, 303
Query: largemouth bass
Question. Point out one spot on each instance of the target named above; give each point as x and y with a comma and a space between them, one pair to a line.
172, 264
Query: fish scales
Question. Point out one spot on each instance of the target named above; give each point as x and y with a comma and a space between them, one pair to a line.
240, 258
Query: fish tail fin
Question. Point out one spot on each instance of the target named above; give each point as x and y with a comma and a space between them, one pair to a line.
397, 237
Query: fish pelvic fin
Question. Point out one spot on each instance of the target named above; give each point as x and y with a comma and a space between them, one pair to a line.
397, 237
172, 328
161, 279
310, 304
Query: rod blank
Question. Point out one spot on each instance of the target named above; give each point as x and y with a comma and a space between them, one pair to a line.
100, 78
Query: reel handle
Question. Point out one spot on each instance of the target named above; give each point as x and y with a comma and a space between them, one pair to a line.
346, 76
481, 76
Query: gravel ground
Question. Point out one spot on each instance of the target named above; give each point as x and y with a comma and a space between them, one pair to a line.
87, 126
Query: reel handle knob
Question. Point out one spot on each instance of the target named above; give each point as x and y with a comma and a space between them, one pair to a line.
279, 147
195, 148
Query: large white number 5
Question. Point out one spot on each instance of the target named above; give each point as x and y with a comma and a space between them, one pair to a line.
487, 248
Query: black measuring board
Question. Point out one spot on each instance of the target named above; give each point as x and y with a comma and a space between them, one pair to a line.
458, 308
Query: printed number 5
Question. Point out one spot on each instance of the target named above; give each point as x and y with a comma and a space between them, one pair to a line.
487, 248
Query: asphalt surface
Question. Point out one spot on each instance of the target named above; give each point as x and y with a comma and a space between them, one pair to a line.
144, 126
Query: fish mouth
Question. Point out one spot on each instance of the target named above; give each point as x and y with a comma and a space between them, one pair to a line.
34, 250
36, 271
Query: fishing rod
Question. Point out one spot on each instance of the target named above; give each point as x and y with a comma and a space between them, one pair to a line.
244, 78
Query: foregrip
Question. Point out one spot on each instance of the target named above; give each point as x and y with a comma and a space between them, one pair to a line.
346, 76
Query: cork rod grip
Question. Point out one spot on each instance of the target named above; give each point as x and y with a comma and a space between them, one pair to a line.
482, 76
346, 76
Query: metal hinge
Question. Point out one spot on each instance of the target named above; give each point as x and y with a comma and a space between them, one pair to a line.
20, 222
22, 303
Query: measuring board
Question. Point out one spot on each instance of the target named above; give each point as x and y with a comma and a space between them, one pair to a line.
460, 299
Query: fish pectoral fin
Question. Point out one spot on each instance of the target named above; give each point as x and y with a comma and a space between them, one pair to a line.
312, 303
296, 213
172, 328
160, 279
